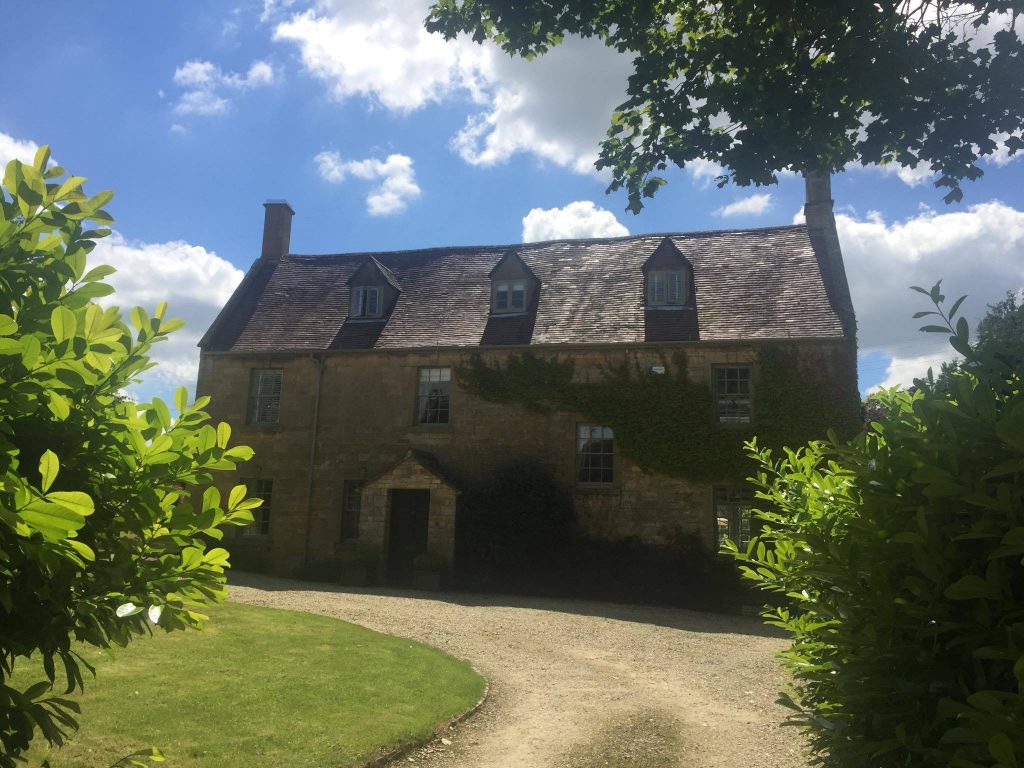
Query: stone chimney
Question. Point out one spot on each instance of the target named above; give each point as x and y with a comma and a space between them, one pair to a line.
821, 226
277, 229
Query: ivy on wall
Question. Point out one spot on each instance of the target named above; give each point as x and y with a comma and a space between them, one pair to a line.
666, 423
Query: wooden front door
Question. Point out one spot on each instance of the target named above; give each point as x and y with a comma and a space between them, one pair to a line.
408, 533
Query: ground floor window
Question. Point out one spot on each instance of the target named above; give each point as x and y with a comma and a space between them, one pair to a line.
732, 516
595, 454
351, 501
261, 489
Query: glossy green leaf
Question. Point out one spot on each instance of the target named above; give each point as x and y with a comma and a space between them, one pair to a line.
49, 468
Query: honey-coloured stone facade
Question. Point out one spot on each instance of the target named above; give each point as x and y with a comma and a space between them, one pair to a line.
360, 427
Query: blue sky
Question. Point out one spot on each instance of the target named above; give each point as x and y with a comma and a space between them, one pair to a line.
382, 137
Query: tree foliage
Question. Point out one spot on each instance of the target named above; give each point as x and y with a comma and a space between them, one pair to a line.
760, 86
1000, 331
898, 561
99, 536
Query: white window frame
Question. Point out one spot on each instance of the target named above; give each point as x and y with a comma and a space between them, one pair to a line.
587, 435
261, 488
666, 288
434, 383
733, 406
367, 301
265, 386
508, 289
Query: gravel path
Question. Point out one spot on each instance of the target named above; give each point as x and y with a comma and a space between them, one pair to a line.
577, 684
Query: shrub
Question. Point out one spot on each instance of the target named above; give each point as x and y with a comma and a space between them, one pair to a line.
99, 538
898, 560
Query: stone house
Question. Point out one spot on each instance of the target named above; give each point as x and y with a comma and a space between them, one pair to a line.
343, 373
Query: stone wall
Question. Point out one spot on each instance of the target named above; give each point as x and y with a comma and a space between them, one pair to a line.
367, 426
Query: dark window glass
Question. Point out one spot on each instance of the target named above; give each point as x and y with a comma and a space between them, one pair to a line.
264, 396
367, 301
510, 296
352, 497
732, 516
733, 401
260, 489
595, 454
433, 397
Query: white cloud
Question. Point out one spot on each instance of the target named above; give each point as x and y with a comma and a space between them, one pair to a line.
15, 149
193, 281
902, 371
578, 219
974, 252
204, 86
556, 107
397, 179
752, 205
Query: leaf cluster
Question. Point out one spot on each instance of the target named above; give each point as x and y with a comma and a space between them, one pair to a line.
107, 506
897, 558
760, 87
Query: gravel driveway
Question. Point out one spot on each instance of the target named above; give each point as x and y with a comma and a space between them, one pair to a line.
577, 684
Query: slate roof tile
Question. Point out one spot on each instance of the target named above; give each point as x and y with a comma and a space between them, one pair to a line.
750, 284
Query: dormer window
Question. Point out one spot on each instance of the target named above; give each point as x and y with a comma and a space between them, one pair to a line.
514, 286
510, 296
367, 301
665, 288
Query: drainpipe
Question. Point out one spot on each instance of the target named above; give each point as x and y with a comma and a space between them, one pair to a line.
318, 361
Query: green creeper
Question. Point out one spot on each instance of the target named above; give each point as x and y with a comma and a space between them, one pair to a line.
107, 506
762, 86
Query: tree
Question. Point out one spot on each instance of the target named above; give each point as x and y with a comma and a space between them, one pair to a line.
99, 538
896, 562
760, 86
1000, 332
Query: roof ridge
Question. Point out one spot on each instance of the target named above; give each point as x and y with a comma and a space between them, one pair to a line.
540, 243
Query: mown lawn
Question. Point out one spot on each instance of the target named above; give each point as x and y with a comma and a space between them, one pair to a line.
265, 687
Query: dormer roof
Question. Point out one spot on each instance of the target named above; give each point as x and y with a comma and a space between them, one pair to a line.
666, 254
512, 258
371, 263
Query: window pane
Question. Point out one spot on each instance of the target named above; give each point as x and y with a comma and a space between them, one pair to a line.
350, 507
675, 294
732, 515
434, 396
733, 400
518, 295
595, 454
260, 489
264, 396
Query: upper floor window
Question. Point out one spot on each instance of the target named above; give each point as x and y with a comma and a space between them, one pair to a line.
433, 396
265, 396
367, 301
260, 489
351, 502
733, 394
510, 296
595, 454
732, 516
665, 288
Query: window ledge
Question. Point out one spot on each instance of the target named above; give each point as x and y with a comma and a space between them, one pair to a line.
262, 427
432, 427
666, 307
500, 313
599, 489
366, 320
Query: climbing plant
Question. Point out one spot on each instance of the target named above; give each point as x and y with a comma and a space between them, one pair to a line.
665, 422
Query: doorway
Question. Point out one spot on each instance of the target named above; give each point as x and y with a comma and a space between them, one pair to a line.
407, 536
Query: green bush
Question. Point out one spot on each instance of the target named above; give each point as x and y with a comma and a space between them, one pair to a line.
99, 538
898, 561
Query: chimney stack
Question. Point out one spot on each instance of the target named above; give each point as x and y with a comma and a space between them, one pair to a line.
277, 229
821, 227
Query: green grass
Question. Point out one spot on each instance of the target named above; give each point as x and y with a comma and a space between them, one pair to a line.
263, 687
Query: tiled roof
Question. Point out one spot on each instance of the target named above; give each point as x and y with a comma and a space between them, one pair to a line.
750, 284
